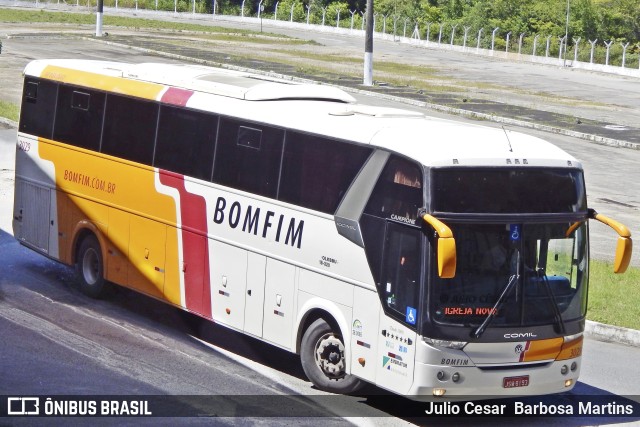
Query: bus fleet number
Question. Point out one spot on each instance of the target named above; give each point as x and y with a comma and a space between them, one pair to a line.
24, 145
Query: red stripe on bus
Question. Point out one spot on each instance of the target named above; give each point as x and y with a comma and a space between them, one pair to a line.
176, 96
526, 348
195, 246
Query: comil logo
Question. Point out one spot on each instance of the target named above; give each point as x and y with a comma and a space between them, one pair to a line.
521, 335
23, 406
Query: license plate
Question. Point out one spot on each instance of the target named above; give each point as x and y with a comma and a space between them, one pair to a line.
511, 382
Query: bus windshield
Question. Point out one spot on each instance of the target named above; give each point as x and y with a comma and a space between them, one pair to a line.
520, 263
514, 275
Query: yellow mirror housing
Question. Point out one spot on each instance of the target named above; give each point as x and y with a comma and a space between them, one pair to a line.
624, 248
447, 257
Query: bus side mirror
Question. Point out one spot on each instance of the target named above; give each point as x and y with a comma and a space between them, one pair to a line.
624, 248
447, 257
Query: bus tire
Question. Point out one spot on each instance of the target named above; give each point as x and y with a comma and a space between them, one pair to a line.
322, 353
90, 268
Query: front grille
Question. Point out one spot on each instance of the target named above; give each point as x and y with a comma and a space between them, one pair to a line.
513, 367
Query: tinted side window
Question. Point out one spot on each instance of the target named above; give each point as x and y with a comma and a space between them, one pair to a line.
79, 117
186, 141
398, 192
400, 287
130, 128
248, 157
316, 172
38, 107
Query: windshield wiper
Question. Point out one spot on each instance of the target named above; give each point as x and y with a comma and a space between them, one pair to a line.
552, 299
498, 305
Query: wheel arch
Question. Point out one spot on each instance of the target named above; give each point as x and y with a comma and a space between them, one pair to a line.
318, 308
82, 230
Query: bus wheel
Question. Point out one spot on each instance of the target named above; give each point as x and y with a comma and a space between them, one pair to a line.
323, 359
90, 268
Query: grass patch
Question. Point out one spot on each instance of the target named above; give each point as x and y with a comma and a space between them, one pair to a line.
380, 66
12, 15
16, 15
9, 110
416, 77
310, 70
614, 298
322, 57
257, 39
244, 39
416, 71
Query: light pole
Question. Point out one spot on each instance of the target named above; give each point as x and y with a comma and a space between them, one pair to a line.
99, 18
566, 37
368, 46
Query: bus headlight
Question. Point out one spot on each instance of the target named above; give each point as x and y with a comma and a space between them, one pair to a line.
456, 345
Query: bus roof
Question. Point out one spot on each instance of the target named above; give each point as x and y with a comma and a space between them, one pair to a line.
314, 108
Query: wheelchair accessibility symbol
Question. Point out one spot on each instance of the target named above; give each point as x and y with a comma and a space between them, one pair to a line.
514, 231
411, 315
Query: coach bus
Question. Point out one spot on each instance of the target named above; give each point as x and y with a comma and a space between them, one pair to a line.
431, 258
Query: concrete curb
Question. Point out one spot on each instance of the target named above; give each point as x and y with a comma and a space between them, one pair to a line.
8, 122
609, 333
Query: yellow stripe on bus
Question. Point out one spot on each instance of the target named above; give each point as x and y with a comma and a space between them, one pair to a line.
571, 350
112, 194
101, 82
543, 350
